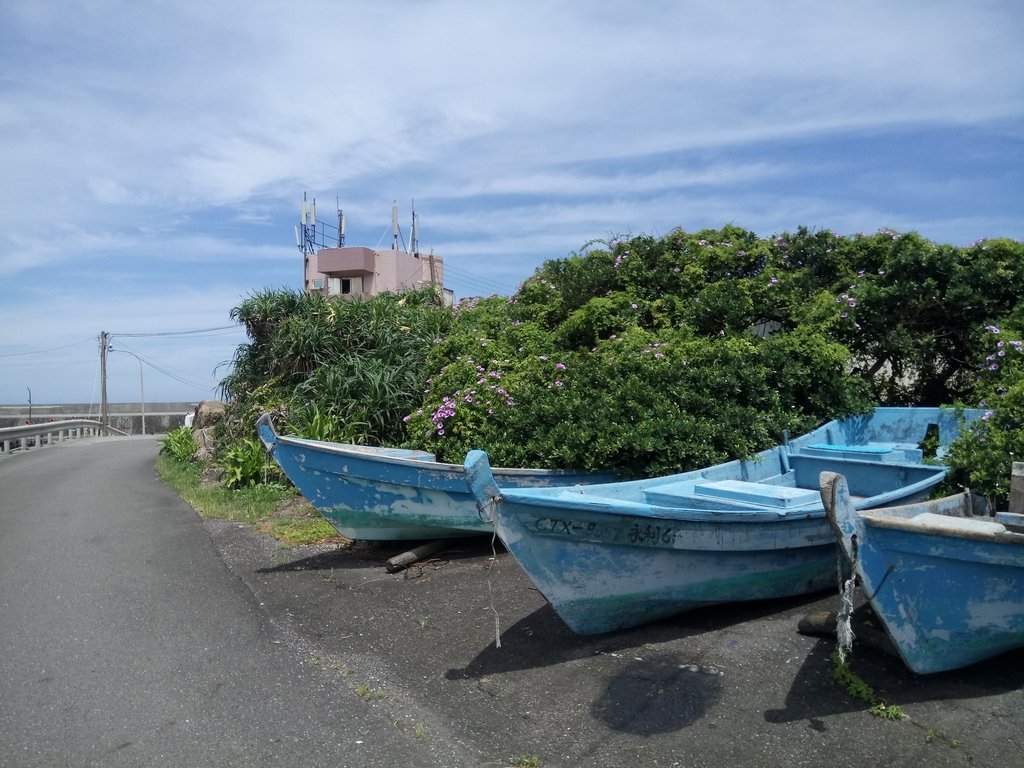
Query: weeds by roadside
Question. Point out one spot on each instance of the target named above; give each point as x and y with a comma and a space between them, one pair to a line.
271, 507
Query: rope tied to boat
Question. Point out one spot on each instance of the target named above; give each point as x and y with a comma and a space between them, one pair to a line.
844, 622
490, 591
486, 510
844, 619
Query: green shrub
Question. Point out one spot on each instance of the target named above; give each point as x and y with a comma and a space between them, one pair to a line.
982, 457
246, 463
179, 444
649, 356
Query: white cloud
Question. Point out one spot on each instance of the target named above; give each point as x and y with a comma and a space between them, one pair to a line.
155, 154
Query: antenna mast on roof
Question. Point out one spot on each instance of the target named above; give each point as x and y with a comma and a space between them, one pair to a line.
305, 231
414, 237
394, 225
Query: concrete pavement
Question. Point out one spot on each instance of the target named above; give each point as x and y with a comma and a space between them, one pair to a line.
125, 641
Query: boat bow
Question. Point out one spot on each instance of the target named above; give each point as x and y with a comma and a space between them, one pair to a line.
839, 507
482, 483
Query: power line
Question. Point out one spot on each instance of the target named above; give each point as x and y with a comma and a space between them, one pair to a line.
475, 281
176, 333
180, 378
51, 349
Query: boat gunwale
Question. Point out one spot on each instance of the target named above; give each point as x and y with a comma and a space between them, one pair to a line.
741, 512
882, 518
367, 452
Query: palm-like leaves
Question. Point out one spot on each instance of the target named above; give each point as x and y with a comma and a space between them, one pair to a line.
344, 369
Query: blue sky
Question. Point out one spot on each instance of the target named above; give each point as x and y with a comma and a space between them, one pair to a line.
154, 155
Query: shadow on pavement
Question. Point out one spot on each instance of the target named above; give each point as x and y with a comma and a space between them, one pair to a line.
809, 697
658, 694
542, 639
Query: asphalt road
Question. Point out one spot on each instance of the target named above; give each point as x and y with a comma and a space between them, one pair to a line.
125, 641
132, 633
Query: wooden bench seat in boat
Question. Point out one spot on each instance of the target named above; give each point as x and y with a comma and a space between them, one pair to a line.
1014, 521
734, 491
883, 453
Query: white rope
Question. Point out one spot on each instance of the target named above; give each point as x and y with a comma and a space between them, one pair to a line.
844, 627
490, 592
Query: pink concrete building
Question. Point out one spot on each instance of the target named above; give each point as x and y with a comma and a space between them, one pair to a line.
360, 271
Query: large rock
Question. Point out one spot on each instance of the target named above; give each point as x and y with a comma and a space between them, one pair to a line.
204, 439
208, 413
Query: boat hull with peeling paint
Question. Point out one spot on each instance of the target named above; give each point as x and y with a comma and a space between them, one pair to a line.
391, 494
947, 583
612, 556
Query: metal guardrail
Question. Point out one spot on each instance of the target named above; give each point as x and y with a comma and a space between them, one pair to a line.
30, 436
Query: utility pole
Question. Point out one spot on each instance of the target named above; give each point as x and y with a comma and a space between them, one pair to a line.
103, 380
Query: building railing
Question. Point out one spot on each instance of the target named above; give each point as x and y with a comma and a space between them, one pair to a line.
31, 436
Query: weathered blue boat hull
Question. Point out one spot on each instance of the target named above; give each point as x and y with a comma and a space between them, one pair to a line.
605, 571
948, 586
390, 494
611, 556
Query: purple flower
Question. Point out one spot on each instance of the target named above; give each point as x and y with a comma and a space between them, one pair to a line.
991, 329
560, 366
986, 416
559, 383
633, 306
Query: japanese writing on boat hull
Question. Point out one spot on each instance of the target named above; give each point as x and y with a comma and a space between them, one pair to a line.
643, 534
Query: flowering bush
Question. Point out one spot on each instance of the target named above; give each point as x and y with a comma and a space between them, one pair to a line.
982, 457
656, 355
653, 355
643, 359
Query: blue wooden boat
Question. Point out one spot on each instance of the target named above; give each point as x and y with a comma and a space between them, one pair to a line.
391, 494
948, 585
611, 556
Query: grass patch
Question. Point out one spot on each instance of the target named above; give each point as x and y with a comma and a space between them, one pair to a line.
859, 689
243, 505
294, 532
271, 507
